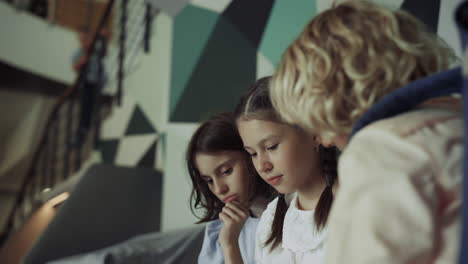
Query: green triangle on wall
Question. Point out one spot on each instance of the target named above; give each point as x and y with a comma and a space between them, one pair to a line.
192, 30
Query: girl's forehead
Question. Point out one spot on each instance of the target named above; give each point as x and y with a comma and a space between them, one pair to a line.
260, 114
261, 127
216, 158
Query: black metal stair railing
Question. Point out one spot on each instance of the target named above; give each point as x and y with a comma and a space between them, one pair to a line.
43, 172
65, 142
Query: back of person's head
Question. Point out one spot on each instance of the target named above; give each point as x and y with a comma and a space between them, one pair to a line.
255, 104
346, 59
215, 135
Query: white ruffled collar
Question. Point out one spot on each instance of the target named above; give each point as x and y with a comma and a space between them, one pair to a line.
299, 230
258, 206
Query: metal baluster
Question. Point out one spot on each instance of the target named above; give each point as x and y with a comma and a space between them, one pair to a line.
120, 74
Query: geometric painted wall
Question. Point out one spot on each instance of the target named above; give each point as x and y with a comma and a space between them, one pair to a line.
215, 55
231, 46
429, 14
129, 138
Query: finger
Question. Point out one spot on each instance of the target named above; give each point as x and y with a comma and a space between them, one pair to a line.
236, 206
224, 218
231, 214
239, 210
240, 205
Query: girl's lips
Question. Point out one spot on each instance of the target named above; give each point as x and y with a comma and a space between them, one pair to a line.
274, 180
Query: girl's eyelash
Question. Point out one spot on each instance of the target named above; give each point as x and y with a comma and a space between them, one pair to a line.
225, 172
228, 171
273, 147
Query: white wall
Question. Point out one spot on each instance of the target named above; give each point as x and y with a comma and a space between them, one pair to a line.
148, 86
31, 43
176, 183
149, 81
19, 129
447, 28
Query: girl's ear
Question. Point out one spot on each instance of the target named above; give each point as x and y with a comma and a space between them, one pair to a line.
316, 141
341, 141
316, 148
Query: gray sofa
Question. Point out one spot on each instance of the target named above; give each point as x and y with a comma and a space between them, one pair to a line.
109, 206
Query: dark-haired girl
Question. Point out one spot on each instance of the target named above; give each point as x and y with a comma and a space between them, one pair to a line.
227, 186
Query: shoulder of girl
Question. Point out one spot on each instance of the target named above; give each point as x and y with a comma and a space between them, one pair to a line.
270, 209
272, 205
289, 197
213, 227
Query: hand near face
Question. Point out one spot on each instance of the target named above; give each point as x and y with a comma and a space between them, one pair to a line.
233, 217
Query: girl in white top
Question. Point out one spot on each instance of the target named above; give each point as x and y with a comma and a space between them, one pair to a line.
292, 162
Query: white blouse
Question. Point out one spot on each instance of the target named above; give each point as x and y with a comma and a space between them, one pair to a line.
302, 243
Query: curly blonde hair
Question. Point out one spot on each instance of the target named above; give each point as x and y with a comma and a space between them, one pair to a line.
346, 59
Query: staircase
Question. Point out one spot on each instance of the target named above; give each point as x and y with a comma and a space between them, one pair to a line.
58, 146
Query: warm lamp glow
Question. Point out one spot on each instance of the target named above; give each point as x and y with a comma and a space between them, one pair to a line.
58, 199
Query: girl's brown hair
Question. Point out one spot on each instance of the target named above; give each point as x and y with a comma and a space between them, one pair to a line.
217, 134
256, 104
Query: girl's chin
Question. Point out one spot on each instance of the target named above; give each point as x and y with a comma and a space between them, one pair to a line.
245, 203
283, 190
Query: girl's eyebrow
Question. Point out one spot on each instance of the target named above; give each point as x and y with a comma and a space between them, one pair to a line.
224, 163
218, 167
262, 142
205, 178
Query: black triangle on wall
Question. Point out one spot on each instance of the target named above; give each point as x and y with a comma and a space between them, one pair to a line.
250, 18
139, 123
427, 12
148, 160
109, 150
